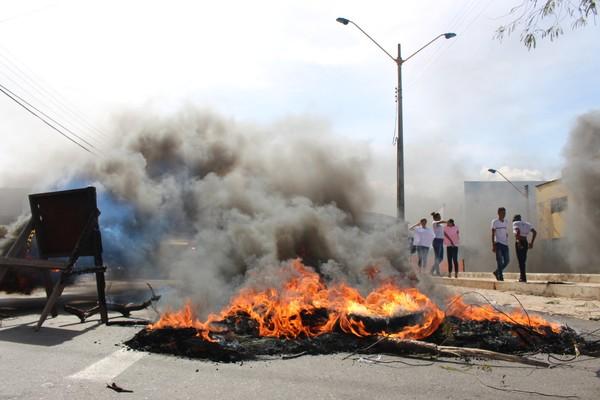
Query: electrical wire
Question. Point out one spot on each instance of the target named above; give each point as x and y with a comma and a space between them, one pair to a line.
31, 104
440, 50
27, 75
21, 102
49, 117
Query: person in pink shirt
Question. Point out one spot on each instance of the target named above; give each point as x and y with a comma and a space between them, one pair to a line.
452, 241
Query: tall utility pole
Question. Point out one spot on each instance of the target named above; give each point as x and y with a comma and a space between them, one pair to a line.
400, 145
400, 209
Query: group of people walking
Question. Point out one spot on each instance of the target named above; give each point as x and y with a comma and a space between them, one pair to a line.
446, 233
443, 233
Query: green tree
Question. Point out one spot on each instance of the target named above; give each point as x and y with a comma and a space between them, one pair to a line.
544, 19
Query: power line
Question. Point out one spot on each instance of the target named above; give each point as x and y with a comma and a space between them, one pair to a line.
443, 49
17, 99
55, 97
39, 88
49, 117
26, 91
463, 10
26, 13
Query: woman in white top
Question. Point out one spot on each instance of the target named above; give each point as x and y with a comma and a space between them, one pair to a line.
423, 238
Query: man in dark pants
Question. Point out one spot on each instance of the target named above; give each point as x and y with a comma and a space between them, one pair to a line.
522, 246
500, 242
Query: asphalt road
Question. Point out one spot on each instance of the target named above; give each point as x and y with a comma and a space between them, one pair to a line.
70, 360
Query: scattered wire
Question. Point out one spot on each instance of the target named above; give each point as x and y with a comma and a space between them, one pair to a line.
434, 359
510, 389
379, 361
595, 332
553, 357
292, 356
523, 391
462, 295
381, 339
523, 308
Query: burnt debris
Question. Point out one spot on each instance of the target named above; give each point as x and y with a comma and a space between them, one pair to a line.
239, 340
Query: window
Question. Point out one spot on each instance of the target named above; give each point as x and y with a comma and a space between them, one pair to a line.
558, 205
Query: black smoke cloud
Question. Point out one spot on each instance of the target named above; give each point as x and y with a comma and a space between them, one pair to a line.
245, 197
582, 177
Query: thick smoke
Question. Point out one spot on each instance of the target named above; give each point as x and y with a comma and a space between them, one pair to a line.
581, 176
245, 198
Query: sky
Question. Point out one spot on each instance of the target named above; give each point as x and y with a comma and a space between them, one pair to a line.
470, 103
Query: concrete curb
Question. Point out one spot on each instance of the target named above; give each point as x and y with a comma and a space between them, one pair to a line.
582, 278
586, 291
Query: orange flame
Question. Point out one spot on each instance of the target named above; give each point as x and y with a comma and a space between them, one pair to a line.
458, 308
283, 313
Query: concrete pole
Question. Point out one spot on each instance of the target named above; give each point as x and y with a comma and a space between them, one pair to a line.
400, 146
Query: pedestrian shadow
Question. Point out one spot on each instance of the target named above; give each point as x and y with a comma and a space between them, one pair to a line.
46, 336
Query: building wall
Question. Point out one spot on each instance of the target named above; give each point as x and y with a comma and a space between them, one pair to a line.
552, 203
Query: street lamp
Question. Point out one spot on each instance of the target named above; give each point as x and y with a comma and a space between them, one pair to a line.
400, 141
495, 171
526, 193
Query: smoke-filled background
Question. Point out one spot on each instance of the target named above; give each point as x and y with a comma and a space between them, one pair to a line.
582, 178
216, 204
204, 200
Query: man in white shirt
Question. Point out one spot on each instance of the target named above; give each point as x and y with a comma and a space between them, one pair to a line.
500, 243
521, 230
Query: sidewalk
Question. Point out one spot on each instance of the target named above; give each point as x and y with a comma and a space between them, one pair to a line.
556, 306
573, 286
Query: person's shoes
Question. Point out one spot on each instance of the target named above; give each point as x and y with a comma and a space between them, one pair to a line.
498, 276
449, 274
456, 274
524, 280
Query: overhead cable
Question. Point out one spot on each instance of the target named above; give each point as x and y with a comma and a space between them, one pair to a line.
23, 103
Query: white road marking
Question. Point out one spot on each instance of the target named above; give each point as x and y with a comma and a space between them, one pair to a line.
110, 366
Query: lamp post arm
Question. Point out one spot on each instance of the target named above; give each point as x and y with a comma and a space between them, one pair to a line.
513, 185
374, 41
434, 39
